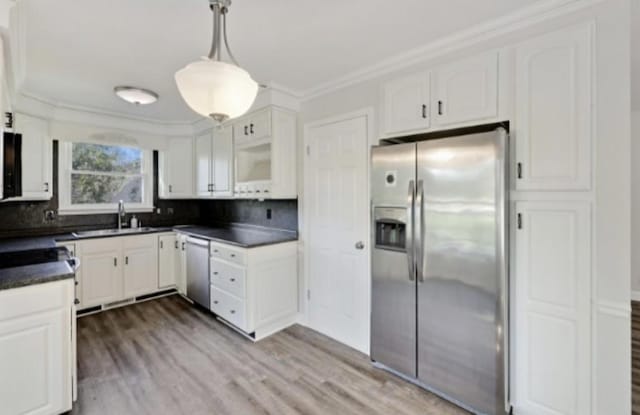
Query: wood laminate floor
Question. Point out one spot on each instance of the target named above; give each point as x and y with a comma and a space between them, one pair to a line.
167, 357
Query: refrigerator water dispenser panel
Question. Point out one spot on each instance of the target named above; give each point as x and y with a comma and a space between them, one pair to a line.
391, 228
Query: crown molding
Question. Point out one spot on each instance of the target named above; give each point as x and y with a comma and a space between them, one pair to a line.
474, 35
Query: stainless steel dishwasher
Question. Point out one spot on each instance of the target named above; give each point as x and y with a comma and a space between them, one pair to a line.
198, 288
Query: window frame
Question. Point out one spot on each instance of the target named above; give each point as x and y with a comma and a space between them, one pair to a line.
65, 154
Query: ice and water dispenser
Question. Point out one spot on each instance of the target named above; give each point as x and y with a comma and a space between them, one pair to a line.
390, 228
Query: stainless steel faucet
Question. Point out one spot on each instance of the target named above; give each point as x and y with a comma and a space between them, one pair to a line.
121, 213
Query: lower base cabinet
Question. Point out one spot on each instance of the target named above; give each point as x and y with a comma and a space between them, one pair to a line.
36, 348
255, 289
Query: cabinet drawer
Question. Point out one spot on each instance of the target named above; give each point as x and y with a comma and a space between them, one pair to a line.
228, 307
227, 253
228, 277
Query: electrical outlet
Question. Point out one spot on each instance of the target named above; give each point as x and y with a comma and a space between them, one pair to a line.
268, 213
159, 211
49, 215
170, 211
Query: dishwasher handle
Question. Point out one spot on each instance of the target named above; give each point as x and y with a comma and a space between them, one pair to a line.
198, 242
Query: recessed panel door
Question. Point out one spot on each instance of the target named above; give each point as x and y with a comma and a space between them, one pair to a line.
336, 205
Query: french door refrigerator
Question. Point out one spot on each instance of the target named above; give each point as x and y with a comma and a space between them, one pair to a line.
439, 312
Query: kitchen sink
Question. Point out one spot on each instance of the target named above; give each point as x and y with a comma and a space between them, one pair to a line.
111, 232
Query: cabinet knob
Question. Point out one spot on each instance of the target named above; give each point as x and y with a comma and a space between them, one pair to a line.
76, 301
359, 245
233, 255
215, 301
232, 279
215, 272
233, 311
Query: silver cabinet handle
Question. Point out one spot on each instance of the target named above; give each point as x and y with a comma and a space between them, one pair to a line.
46, 187
359, 245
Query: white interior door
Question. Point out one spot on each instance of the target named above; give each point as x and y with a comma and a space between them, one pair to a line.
336, 208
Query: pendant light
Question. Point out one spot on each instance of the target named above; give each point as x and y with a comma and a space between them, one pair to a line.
213, 88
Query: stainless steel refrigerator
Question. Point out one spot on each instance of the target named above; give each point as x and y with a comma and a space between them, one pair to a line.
439, 312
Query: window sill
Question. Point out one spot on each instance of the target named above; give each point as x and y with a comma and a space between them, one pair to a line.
102, 211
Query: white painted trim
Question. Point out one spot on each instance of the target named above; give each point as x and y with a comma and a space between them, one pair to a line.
615, 309
369, 114
474, 35
635, 295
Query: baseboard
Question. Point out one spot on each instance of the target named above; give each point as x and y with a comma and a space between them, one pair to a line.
635, 295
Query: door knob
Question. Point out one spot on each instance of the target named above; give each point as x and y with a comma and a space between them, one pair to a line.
359, 245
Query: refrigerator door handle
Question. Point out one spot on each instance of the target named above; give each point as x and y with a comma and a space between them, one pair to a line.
409, 231
419, 231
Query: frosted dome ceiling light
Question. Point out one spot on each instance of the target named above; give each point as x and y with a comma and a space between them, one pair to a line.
211, 87
137, 96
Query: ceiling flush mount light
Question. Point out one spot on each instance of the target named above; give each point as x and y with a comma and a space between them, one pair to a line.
213, 88
135, 95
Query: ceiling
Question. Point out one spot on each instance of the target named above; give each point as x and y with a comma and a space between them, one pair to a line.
77, 51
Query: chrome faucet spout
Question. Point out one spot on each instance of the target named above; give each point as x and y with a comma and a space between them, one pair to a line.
121, 213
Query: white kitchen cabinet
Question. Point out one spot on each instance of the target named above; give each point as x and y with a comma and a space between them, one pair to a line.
265, 161
176, 176
406, 103
181, 263
101, 271
167, 257
140, 265
466, 91
255, 289
37, 157
213, 157
36, 349
552, 303
117, 268
554, 110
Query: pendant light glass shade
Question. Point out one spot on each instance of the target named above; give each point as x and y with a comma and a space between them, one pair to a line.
216, 89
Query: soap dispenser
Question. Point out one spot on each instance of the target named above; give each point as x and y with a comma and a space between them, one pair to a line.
134, 222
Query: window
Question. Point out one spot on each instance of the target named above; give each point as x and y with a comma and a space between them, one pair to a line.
94, 177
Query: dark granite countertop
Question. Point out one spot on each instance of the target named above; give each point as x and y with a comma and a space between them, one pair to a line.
70, 237
34, 274
245, 236
8, 246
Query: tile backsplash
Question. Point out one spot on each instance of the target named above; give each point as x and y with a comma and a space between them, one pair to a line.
29, 218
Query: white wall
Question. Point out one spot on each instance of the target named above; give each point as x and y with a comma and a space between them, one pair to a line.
612, 179
635, 204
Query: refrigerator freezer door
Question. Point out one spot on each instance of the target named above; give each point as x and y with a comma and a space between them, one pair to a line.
393, 306
462, 278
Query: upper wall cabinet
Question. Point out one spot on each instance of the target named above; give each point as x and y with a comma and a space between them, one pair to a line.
176, 178
457, 94
213, 161
37, 156
466, 91
406, 103
265, 155
554, 115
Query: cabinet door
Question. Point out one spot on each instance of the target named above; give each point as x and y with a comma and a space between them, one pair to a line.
101, 272
405, 104
466, 90
176, 178
181, 264
37, 155
222, 160
166, 261
202, 157
140, 265
78, 278
554, 111
260, 125
35, 362
552, 308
